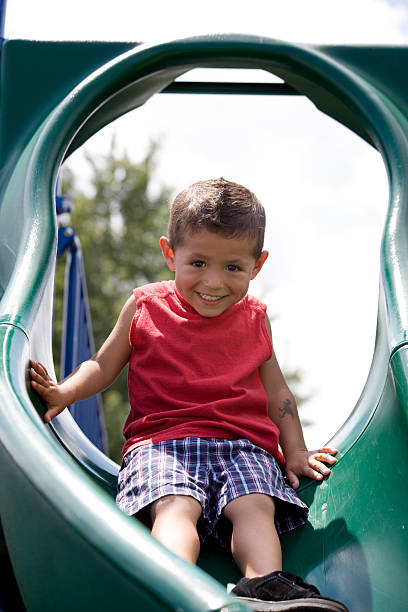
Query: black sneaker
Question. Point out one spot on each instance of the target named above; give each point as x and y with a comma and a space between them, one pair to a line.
282, 591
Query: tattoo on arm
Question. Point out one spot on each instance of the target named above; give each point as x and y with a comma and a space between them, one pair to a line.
286, 409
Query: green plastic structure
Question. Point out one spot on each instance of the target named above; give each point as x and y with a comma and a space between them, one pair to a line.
70, 547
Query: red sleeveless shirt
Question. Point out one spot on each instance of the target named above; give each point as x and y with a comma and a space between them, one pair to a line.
191, 375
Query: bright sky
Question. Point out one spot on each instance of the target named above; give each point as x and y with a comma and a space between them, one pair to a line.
325, 190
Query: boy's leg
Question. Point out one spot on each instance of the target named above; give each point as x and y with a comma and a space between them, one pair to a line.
255, 543
256, 549
174, 519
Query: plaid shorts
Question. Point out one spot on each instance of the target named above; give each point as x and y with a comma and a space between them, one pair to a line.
214, 472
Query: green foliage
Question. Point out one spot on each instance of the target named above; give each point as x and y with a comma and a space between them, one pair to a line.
119, 226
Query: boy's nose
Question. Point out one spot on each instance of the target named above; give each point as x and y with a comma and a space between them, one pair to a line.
213, 280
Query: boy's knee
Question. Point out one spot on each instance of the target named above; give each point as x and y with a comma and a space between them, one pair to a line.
179, 505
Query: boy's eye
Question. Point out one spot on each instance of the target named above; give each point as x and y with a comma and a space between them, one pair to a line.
233, 268
198, 264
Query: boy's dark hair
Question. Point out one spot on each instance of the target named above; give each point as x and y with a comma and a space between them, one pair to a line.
220, 206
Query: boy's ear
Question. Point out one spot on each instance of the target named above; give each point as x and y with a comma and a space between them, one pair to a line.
168, 253
259, 263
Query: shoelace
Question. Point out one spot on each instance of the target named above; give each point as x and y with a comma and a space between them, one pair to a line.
297, 581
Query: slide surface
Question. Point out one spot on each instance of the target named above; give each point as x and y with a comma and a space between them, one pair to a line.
71, 548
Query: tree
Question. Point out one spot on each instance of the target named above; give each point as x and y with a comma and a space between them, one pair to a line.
119, 227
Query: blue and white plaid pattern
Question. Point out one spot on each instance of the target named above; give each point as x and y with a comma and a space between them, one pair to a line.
211, 470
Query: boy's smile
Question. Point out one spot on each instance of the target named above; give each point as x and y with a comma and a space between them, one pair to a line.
212, 272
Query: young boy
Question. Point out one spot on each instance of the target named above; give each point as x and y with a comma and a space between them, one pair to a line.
212, 420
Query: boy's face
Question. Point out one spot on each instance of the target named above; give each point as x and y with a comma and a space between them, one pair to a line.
212, 272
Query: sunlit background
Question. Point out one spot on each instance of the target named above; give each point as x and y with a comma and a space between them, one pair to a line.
325, 190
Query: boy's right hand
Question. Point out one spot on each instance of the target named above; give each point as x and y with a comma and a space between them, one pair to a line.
49, 391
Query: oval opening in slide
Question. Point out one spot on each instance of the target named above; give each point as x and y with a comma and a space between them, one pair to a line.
316, 181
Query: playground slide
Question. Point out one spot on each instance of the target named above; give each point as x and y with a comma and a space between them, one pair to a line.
70, 547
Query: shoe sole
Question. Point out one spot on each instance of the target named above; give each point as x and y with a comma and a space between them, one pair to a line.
297, 605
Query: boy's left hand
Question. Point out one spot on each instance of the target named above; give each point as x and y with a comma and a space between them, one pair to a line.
310, 464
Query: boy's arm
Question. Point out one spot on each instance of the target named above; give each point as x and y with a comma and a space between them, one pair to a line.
283, 411
91, 376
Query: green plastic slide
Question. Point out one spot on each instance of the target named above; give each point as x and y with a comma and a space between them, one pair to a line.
70, 547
